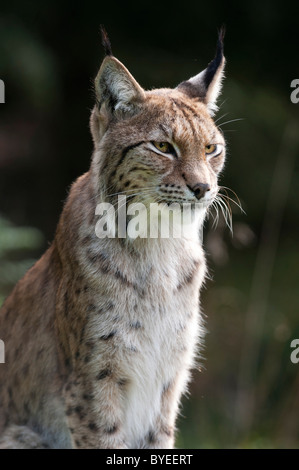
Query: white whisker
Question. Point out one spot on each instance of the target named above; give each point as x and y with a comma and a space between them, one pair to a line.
231, 120
223, 115
226, 212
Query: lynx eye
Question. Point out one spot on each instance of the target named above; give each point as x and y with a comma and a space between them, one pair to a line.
164, 147
213, 149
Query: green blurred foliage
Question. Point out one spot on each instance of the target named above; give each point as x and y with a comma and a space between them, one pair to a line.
49, 54
17, 244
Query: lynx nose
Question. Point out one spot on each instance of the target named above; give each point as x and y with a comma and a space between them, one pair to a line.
200, 189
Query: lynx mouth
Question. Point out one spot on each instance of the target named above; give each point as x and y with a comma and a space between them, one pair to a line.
184, 203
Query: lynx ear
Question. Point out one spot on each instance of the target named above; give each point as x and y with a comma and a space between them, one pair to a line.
116, 89
207, 84
117, 93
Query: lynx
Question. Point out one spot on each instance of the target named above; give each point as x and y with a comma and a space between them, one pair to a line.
101, 334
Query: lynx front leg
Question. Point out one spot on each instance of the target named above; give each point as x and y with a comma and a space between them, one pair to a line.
21, 437
162, 434
95, 411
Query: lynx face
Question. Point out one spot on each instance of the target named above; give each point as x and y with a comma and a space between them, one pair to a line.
157, 146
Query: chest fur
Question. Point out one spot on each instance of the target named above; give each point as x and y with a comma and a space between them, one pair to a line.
142, 320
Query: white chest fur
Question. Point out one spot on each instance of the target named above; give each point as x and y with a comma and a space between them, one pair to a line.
165, 351
156, 323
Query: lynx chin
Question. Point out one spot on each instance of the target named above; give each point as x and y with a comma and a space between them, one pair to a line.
101, 334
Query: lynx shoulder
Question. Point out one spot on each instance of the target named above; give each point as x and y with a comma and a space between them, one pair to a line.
101, 333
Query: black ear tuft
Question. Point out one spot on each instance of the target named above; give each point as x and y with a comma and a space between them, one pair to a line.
106, 42
213, 66
222, 32
206, 85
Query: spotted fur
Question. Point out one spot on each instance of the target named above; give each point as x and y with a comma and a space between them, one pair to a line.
101, 334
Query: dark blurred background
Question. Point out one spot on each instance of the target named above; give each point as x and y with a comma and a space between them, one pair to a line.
247, 393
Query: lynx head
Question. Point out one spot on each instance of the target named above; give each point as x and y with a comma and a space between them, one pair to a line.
160, 145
